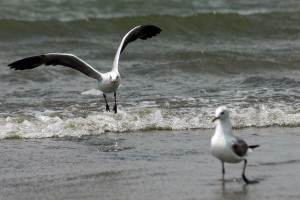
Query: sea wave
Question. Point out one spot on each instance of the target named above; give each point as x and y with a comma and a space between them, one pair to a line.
246, 59
206, 23
105, 9
51, 124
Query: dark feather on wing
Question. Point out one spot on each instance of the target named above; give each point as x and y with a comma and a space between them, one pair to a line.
27, 63
66, 60
240, 147
143, 32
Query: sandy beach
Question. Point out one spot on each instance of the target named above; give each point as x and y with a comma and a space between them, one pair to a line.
148, 165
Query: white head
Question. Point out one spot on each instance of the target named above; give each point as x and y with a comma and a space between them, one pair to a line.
115, 78
222, 113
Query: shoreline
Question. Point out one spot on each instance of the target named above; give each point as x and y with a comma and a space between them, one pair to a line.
148, 165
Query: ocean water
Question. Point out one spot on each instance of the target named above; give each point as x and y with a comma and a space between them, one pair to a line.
58, 144
243, 54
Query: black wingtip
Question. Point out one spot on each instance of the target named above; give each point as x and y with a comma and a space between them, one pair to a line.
27, 63
153, 27
149, 31
142, 32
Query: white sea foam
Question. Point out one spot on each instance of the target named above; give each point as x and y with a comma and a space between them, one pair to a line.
50, 124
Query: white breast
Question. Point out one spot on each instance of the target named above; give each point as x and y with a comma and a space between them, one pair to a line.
221, 148
108, 86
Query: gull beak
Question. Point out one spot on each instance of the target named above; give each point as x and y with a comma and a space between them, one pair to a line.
215, 119
114, 81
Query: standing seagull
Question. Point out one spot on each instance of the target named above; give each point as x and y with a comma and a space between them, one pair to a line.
107, 82
227, 147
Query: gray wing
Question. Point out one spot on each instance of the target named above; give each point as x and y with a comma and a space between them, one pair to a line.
67, 60
240, 147
142, 32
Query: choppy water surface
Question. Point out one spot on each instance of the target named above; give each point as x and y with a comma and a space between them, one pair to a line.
241, 54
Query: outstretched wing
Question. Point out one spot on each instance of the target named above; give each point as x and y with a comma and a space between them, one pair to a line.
143, 32
67, 60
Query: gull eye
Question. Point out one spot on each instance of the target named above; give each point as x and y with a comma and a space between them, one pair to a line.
110, 77
117, 77
222, 113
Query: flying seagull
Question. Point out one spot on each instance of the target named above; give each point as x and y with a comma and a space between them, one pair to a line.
227, 147
107, 82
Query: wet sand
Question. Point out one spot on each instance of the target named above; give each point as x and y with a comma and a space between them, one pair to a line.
149, 165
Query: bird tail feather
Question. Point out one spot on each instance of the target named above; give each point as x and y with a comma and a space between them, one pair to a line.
253, 146
94, 92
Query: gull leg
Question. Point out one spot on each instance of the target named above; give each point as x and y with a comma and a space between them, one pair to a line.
223, 173
115, 106
243, 174
107, 106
